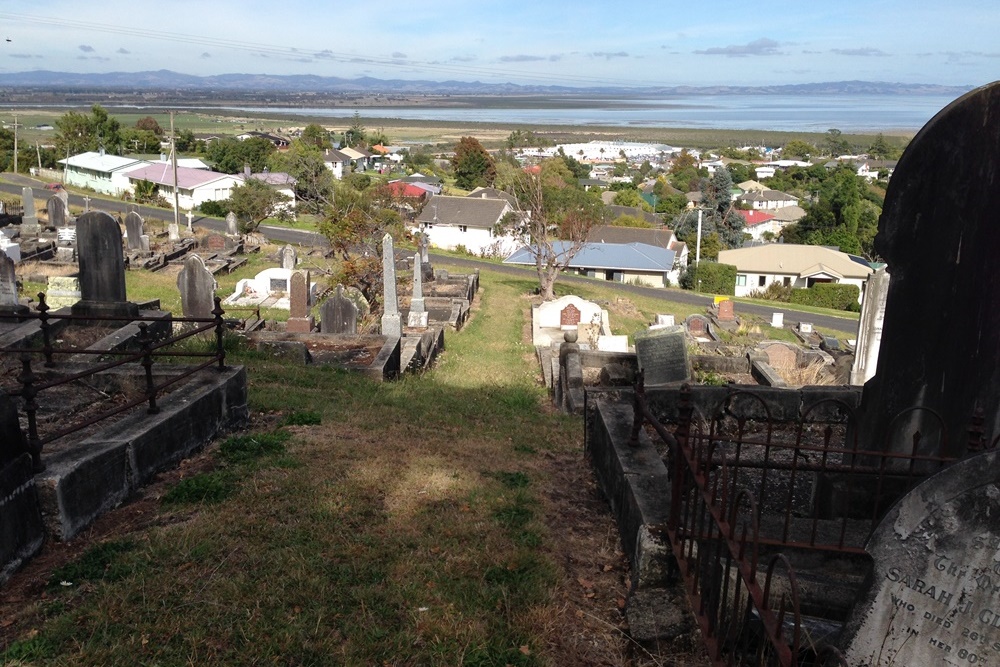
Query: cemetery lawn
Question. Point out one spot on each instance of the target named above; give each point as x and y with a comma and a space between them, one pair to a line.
448, 518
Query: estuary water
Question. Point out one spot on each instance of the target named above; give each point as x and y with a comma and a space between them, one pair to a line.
856, 113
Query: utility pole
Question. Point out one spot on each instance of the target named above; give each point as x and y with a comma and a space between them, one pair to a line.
15, 143
697, 251
38, 152
173, 156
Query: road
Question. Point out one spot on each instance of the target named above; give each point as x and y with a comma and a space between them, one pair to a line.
843, 325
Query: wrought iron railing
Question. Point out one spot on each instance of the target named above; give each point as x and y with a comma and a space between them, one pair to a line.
750, 494
150, 348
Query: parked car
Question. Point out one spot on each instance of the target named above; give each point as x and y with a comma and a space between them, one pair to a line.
54, 186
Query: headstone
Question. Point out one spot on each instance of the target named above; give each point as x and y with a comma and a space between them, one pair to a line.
29, 219
144, 242
805, 327
697, 326
299, 319
289, 258
726, 313
215, 242
8, 286
391, 323
10, 248
197, 286
232, 226
662, 355
777, 320
870, 327
417, 301
339, 315
781, 356
664, 320
102, 266
133, 230
612, 343
173, 232
62, 291
417, 320
190, 218
57, 211
934, 593
569, 317
62, 194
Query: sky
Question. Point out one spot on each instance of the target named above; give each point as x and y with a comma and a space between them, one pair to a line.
555, 42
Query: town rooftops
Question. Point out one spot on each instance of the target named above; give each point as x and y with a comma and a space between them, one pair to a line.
766, 196
101, 162
187, 179
794, 259
660, 238
493, 193
275, 178
609, 256
754, 218
467, 211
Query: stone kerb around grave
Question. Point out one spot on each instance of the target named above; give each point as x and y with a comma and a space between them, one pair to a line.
934, 597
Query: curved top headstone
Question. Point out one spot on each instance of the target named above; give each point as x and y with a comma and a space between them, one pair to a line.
102, 261
940, 236
934, 594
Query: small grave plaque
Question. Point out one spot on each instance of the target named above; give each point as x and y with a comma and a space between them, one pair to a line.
277, 285
662, 355
777, 320
569, 316
935, 592
665, 320
805, 327
726, 313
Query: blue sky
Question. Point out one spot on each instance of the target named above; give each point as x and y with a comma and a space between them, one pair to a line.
544, 41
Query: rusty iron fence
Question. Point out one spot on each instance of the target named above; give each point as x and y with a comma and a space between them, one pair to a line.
751, 495
150, 348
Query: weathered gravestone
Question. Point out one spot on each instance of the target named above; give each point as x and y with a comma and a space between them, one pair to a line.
662, 355
29, 219
299, 319
934, 595
57, 211
870, 327
418, 315
133, 230
173, 232
215, 242
197, 286
939, 237
726, 313
102, 267
289, 258
664, 321
569, 317
232, 224
697, 326
391, 323
9, 302
339, 314
777, 320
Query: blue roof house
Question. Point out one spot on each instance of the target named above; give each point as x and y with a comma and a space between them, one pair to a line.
637, 263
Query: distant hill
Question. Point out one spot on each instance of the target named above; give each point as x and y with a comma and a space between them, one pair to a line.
168, 80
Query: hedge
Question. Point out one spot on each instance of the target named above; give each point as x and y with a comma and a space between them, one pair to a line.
710, 277
828, 295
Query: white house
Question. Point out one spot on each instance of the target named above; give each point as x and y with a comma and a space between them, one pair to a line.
283, 183
337, 162
470, 222
767, 199
793, 265
194, 186
100, 172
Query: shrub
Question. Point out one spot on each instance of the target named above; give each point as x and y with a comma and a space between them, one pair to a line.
710, 277
217, 209
828, 295
773, 292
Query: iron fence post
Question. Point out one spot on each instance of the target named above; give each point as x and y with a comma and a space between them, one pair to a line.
27, 379
146, 343
220, 352
43, 323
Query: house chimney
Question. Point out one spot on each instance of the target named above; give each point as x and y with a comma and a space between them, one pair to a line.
102, 151
246, 170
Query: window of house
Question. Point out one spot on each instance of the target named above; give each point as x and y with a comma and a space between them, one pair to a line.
786, 281
741, 280
761, 281
463, 228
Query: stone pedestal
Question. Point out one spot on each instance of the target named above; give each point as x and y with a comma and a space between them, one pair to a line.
300, 324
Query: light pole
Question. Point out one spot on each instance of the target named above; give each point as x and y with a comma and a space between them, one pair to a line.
697, 251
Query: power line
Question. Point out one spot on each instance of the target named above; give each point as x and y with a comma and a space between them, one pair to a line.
320, 55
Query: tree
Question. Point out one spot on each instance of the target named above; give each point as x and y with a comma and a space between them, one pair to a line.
140, 141
355, 223
355, 134
316, 136
717, 200
253, 202
554, 218
77, 132
231, 156
579, 169
798, 148
313, 180
881, 150
149, 124
473, 165
631, 197
835, 143
185, 141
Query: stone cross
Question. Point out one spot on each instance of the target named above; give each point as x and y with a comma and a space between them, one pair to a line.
86, 204
197, 286
102, 264
391, 324
190, 217
340, 315
57, 211
232, 224
133, 229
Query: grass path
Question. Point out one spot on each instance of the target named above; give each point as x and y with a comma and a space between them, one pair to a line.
445, 519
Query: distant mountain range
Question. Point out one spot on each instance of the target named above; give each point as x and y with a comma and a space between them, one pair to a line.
294, 83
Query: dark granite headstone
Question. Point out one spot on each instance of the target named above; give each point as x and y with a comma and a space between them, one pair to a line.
339, 315
102, 264
662, 355
569, 316
197, 287
133, 229
939, 237
57, 211
934, 594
